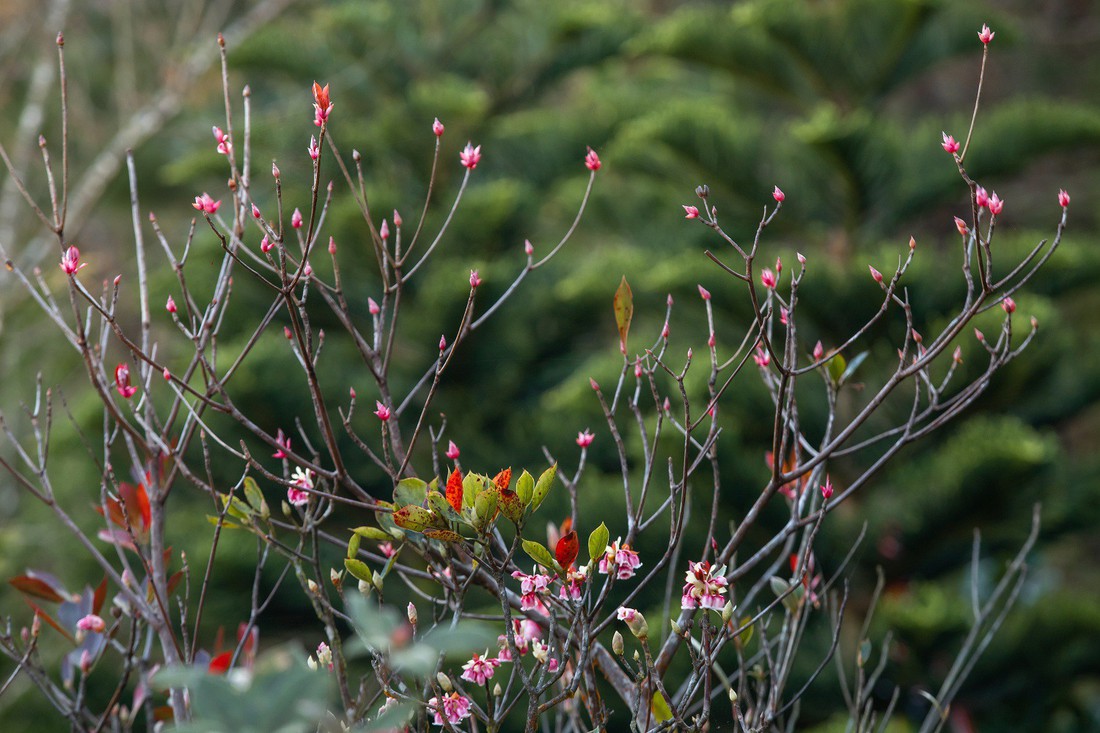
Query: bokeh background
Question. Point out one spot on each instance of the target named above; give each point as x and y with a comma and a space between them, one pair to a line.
840, 102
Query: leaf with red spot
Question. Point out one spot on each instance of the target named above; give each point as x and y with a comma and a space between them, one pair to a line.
503, 479
415, 518
567, 548
454, 490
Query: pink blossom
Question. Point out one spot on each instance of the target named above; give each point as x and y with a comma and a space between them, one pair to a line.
324, 656
70, 259
453, 708
386, 548
384, 231
437, 128
452, 450
950, 144
592, 161
314, 150
205, 204
283, 443
783, 313
573, 586
875, 274
769, 279
170, 306
1009, 305
296, 219
995, 204
382, 411
372, 306
985, 34
819, 351
122, 381
297, 493
530, 588
475, 279
704, 293
255, 211
470, 156
827, 489
761, 357
266, 245
704, 586
626, 614
224, 146
1063, 198
620, 559
981, 197
778, 194
585, 439
322, 107
961, 226
690, 212
92, 623
479, 669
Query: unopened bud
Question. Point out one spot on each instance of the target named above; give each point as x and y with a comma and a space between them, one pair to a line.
365, 588
732, 695
36, 625
875, 274
444, 681
676, 627
336, 578
528, 248
274, 170
376, 578
801, 258
1034, 323
313, 587
912, 243
617, 644
410, 611
957, 356
637, 656
727, 612
497, 691
702, 191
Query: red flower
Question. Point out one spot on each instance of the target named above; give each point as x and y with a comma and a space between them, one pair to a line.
592, 161
470, 156
985, 34
321, 104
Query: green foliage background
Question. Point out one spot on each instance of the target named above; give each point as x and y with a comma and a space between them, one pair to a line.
840, 102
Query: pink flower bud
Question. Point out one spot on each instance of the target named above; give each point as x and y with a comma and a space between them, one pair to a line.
314, 150
373, 307
979, 335
322, 107
287, 334
1009, 305
437, 127
949, 144
122, 381
265, 244
1063, 198
995, 204
528, 248
331, 246
778, 194
875, 274
274, 170
957, 355
783, 314
255, 211
961, 226
638, 369
296, 219
981, 196
665, 332
912, 243
778, 266
819, 351
384, 231
985, 34
205, 204
92, 623
827, 489
452, 450
592, 161
711, 341
442, 343
475, 279
691, 212
470, 156
668, 300
703, 293
167, 375
801, 258
170, 306
585, 439
70, 261
592, 383
397, 219
382, 411
769, 279
351, 392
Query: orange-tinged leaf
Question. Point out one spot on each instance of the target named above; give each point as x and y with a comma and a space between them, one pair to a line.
454, 490
623, 305
163, 713
49, 619
503, 479
566, 525
567, 548
99, 596
413, 517
444, 535
37, 588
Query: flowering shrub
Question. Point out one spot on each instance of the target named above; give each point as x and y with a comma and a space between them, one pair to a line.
508, 624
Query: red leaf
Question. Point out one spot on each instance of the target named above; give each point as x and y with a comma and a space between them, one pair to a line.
100, 596
37, 588
220, 663
566, 550
504, 478
454, 490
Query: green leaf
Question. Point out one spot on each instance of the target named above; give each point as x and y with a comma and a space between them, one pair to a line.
353, 544
416, 518
255, 497
359, 569
218, 520
443, 510
836, 367
542, 486
373, 533
659, 707
385, 519
511, 506
541, 555
597, 542
852, 366
444, 535
410, 491
237, 508
485, 507
525, 487
623, 304
745, 636
472, 485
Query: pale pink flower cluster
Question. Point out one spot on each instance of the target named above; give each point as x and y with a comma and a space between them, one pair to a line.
479, 669
704, 586
206, 204
530, 587
573, 587
454, 708
224, 146
525, 632
585, 439
620, 559
470, 156
296, 493
92, 623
